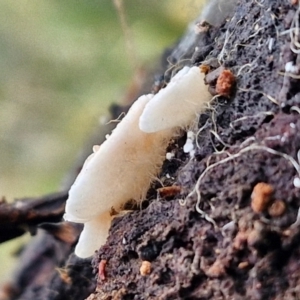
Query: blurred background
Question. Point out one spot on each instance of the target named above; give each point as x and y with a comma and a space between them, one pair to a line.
62, 63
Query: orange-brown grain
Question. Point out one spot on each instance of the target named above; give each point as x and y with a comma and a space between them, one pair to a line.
225, 83
261, 197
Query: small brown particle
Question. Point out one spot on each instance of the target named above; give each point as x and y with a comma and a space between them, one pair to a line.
201, 27
217, 251
258, 285
145, 268
157, 86
113, 211
216, 270
116, 294
8, 291
261, 197
169, 191
240, 240
277, 209
204, 68
225, 83
253, 238
243, 265
256, 236
3, 200
64, 276
287, 232
101, 269
212, 76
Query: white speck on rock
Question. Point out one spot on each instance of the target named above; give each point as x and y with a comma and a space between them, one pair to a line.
189, 146
169, 155
296, 182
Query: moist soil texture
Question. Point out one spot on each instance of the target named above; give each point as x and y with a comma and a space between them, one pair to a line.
233, 230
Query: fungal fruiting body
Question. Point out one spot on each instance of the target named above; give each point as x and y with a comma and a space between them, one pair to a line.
178, 104
93, 235
121, 169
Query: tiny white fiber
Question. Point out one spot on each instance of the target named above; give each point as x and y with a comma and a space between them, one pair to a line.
178, 104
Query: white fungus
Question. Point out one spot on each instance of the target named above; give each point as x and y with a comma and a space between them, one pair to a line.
96, 148
93, 235
178, 104
121, 169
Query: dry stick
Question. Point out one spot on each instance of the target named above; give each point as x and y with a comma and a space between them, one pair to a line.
16, 217
231, 157
33, 210
130, 45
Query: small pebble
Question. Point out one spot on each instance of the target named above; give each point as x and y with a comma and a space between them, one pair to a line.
188, 147
261, 197
169, 155
277, 209
296, 182
243, 265
145, 268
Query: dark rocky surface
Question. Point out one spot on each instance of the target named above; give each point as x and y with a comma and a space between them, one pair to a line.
215, 246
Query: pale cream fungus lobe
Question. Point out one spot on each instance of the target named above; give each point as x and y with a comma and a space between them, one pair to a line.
123, 167
178, 104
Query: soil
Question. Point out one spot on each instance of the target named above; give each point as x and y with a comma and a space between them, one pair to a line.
214, 245
232, 229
